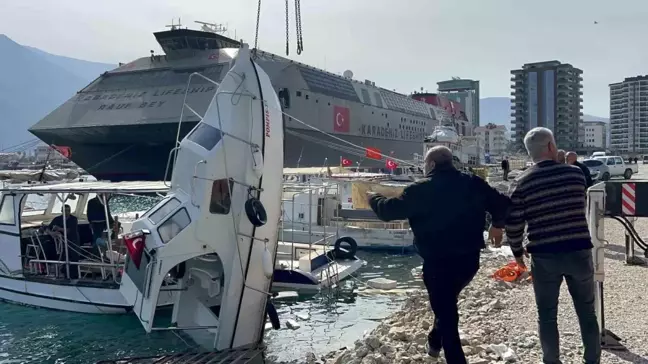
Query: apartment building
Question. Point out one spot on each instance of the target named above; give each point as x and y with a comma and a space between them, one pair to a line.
629, 115
548, 94
465, 92
595, 134
493, 138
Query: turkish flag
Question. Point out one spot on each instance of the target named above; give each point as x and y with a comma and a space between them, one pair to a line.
341, 119
346, 162
65, 151
373, 153
391, 165
135, 243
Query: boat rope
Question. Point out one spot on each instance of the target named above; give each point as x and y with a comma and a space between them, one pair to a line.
258, 21
298, 24
287, 31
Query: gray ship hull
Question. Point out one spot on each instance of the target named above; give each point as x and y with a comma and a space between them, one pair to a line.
123, 125
134, 160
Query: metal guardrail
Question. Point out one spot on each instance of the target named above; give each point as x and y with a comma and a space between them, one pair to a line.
251, 355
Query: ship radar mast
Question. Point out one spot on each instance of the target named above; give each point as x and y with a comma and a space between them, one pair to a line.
174, 26
211, 27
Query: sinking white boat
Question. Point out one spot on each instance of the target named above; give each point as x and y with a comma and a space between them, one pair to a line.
308, 268
40, 268
217, 226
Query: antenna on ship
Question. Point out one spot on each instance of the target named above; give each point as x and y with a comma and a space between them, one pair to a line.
211, 27
174, 26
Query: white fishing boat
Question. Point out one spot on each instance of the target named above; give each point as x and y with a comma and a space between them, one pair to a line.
335, 212
39, 267
466, 150
217, 227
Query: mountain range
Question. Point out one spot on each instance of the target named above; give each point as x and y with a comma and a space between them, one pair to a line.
34, 82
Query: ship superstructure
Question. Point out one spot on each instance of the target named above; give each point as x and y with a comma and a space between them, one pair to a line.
123, 125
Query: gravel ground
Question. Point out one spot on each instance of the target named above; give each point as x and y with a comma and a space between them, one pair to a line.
499, 320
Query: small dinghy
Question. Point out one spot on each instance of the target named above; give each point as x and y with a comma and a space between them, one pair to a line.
216, 230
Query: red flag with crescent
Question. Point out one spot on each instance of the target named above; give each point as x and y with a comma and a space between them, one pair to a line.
341, 116
373, 153
135, 243
65, 151
346, 162
391, 165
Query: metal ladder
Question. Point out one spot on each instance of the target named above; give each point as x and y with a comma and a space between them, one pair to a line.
244, 355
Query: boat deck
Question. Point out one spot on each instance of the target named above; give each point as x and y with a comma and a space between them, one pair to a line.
252, 355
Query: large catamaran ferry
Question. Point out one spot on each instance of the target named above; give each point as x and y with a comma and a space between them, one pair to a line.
123, 125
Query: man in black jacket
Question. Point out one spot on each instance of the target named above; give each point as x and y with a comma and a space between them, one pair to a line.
97, 216
572, 158
446, 211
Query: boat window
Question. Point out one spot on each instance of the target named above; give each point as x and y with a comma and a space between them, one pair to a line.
221, 200
205, 135
7, 216
174, 225
71, 200
163, 209
378, 99
365, 96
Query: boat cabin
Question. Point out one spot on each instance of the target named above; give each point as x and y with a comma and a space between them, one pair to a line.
33, 247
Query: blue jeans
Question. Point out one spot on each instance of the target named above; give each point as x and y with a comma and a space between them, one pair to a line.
577, 268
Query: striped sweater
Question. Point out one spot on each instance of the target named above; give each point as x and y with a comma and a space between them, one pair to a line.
549, 199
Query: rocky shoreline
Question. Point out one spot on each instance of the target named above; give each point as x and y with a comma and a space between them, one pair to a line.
401, 337
498, 320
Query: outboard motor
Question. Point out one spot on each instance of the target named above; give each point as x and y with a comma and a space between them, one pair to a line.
215, 233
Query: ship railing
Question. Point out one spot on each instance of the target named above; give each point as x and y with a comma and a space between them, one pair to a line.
36, 265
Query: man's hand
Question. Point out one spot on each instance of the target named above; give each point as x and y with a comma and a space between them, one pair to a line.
370, 194
520, 260
495, 236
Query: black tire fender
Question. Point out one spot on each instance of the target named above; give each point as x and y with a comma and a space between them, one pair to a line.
255, 212
349, 252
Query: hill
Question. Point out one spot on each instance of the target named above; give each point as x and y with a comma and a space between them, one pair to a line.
33, 83
497, 110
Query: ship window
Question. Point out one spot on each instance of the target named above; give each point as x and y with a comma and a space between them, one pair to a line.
298, 93
378, 100
174, 225
163, 209
7, 216
306, 97
365, 96
220, 200
205, 135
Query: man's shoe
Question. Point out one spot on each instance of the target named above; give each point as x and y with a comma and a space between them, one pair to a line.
432, 352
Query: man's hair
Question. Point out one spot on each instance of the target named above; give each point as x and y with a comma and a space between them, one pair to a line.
571, 154
536, 142
440, 155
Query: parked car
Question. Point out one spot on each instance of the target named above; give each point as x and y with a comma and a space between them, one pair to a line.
597, 169
617, 167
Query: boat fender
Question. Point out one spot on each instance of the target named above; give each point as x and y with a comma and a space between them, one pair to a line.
346, 252
178, 271
257, 162
266, 260
255, 212
271, 311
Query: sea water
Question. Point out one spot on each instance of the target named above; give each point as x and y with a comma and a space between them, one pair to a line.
327, 321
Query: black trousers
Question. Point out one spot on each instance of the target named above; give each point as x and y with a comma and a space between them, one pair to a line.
444, 280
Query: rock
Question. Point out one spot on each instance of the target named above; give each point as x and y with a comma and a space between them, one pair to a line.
382, 283
373, 342
398, 333
292, 324
302, 316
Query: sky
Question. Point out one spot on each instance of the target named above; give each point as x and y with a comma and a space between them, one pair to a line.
402, 45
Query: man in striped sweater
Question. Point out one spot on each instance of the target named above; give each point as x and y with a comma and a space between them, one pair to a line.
549, 200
